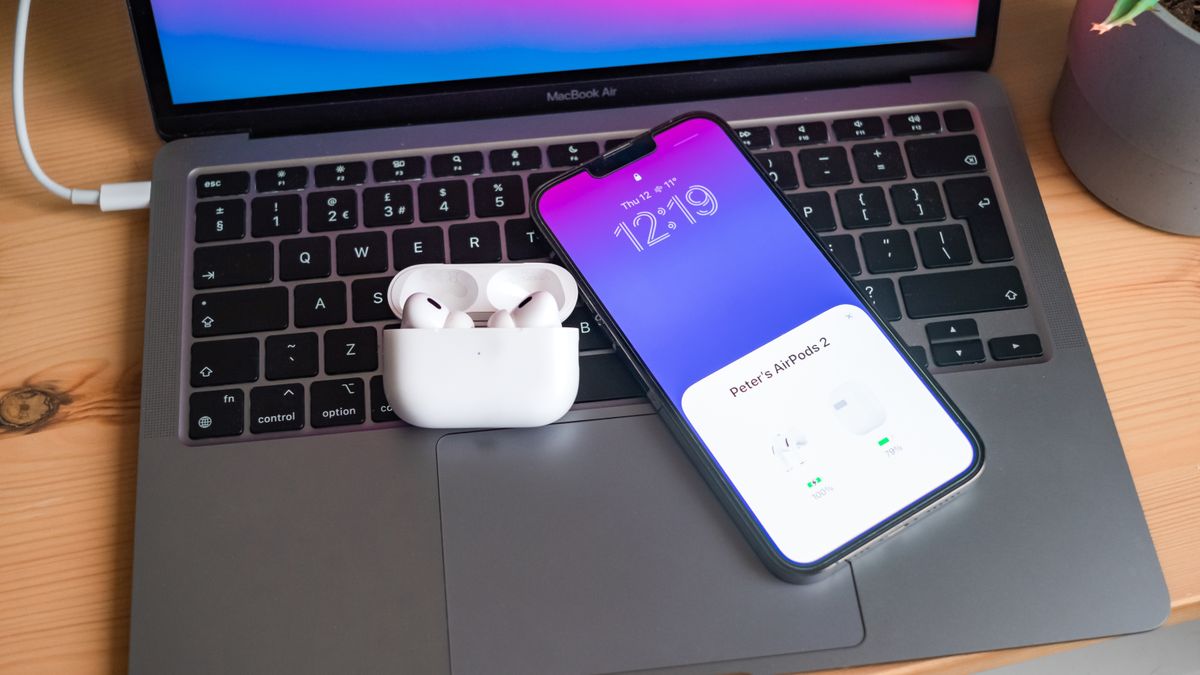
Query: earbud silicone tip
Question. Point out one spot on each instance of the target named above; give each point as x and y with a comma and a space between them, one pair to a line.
459, 320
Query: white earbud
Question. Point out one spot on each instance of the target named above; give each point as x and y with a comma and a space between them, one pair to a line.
501, 319
539, 309
422, 311
459, 320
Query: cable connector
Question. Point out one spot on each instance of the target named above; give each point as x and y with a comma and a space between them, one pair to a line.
125, 196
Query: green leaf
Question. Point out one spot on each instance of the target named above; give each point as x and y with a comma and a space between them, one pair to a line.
1124, 11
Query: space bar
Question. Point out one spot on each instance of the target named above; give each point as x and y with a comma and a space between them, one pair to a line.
980, 290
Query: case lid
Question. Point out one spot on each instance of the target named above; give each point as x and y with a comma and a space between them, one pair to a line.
484, 288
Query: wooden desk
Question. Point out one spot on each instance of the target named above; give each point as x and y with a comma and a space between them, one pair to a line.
72, 283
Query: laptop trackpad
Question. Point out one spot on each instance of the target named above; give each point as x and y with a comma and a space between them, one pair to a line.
595, 547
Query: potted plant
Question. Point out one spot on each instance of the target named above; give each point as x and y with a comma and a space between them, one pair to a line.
1127, 111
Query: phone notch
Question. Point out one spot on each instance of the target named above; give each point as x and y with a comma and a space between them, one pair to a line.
623, 155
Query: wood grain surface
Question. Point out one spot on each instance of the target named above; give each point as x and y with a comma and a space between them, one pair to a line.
72, 283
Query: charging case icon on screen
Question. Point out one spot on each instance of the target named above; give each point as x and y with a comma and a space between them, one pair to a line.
857, 408
788, 447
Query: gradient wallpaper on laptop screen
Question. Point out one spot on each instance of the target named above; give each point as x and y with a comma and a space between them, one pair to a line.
229, 49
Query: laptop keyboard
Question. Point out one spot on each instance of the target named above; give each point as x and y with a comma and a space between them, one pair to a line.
290, 264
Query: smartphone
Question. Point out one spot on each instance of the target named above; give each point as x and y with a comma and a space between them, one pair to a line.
798, 404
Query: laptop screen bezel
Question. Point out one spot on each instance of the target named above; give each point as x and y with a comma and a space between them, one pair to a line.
528, 94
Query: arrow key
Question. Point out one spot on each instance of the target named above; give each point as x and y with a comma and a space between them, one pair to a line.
276, 408
1015, 347
957, 353
959, 329
224, 362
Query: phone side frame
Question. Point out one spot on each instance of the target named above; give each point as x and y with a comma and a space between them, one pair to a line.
712, 473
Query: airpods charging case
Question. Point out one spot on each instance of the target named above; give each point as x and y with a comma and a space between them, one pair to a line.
481, 377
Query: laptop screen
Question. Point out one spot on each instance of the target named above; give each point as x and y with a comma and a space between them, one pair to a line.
221, 50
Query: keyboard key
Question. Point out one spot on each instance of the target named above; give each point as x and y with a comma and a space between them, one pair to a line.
959, 119
320, 304
290, 356
524, 240
276, 408
808, 133
457, 164
232, 312
213, 414
419, 245
351, 350
943, 246
233, 265
878, 161
841, 247
614, 143
918, 355
443, 201
605, 377
824, 167
362, 253
222, 184
218, 221
572, 154
917, 203
944, 155
858, 128
537, 180
974, 200
306, 258
398, 168
958, 329
863, 207
368, 300
271, 216
337, 402
882, 296
516, 159
283, 178
754, 138
383, 206
957, 353
342, 173
1015, 347
964, 292
499, 196
890, 251
816, 209
909, 124
475, 242
591, 335
224, 362
381, 410
780, 168
336, 210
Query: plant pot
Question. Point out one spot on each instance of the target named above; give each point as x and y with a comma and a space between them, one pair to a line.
1127, 115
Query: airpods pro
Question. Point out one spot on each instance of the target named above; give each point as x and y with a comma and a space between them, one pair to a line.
520, 370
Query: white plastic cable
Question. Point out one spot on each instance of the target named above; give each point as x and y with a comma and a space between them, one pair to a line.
110, 197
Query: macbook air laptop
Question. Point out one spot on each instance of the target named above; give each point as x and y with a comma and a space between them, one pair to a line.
287, 522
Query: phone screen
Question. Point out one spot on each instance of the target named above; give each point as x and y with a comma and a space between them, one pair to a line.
803, 402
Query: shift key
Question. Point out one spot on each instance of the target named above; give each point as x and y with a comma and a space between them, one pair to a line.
946, 293
234, 312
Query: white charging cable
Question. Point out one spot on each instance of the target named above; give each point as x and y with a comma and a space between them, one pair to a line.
110, 196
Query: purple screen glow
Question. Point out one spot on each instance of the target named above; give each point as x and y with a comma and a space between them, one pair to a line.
231, 49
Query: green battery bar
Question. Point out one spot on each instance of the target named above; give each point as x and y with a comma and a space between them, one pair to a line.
884, 441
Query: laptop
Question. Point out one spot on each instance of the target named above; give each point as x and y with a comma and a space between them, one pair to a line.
287, 522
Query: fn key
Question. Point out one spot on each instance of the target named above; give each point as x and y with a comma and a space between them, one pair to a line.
212, 414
